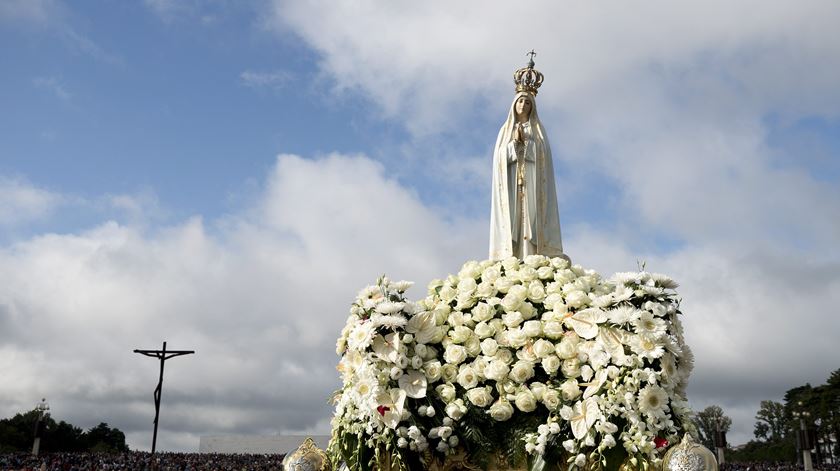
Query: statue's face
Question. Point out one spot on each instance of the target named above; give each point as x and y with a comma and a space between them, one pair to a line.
523, 106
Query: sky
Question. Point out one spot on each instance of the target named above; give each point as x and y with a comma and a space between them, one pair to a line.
225, 176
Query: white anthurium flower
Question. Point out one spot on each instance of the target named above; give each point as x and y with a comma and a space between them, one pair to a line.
594, 386
584, 415
585, 322
387, 348
610, 340
423, 326
389, 407
413, 382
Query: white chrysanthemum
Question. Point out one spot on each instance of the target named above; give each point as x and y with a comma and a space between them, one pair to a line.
389, 322
653, 401
627, 277
623, 314
361, 336
400, 286
389, 307
664, 281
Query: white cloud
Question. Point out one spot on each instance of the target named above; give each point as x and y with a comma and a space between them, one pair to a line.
52, 85
260, 296
24, 202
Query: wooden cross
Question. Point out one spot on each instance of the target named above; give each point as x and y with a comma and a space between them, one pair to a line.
162, 355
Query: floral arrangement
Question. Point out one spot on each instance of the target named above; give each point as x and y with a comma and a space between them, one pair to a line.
528, 360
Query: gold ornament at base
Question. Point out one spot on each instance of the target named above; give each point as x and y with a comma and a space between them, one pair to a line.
689, 455
307, 457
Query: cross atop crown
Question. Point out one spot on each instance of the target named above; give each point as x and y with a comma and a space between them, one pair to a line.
528, 79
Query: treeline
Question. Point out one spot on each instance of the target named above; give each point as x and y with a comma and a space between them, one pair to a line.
17, 434
778, 428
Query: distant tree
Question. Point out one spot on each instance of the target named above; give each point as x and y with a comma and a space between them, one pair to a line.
709, 421
18, 432
772, 421
65, 437
104, 438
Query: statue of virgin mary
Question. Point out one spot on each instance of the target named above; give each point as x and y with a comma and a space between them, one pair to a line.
524, 219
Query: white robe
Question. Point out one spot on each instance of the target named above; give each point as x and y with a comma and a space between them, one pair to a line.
532, 228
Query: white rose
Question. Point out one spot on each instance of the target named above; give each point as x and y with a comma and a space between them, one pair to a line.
473, 346
516, 337
489, 347
505, 355
467, 377
570, 390
491, 274
535, 261
552, 300
482, 312
481, 397
432, 370
460, 334
421, 350
536, 291
512, 319
525, 400
497, 370
519, 291
501, 411
522, 371
553, 329
503, 284
510, 263
537, 389
526, 354
550, 364
483, 330
446, 392
395, 373
511, 301
485, 289
586, 372
471, 269
449, 372
456, 318
551, 399
577, 299
467, 286
545, 273
568, 346
542, 348
528, 310
527, 274
455, 410
447, 293
532, 328
416, 362
571, 368
455, 354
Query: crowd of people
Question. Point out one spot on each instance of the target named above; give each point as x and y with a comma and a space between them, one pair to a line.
140, 461
773, 466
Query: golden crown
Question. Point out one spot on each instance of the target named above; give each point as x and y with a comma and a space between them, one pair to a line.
528, 79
